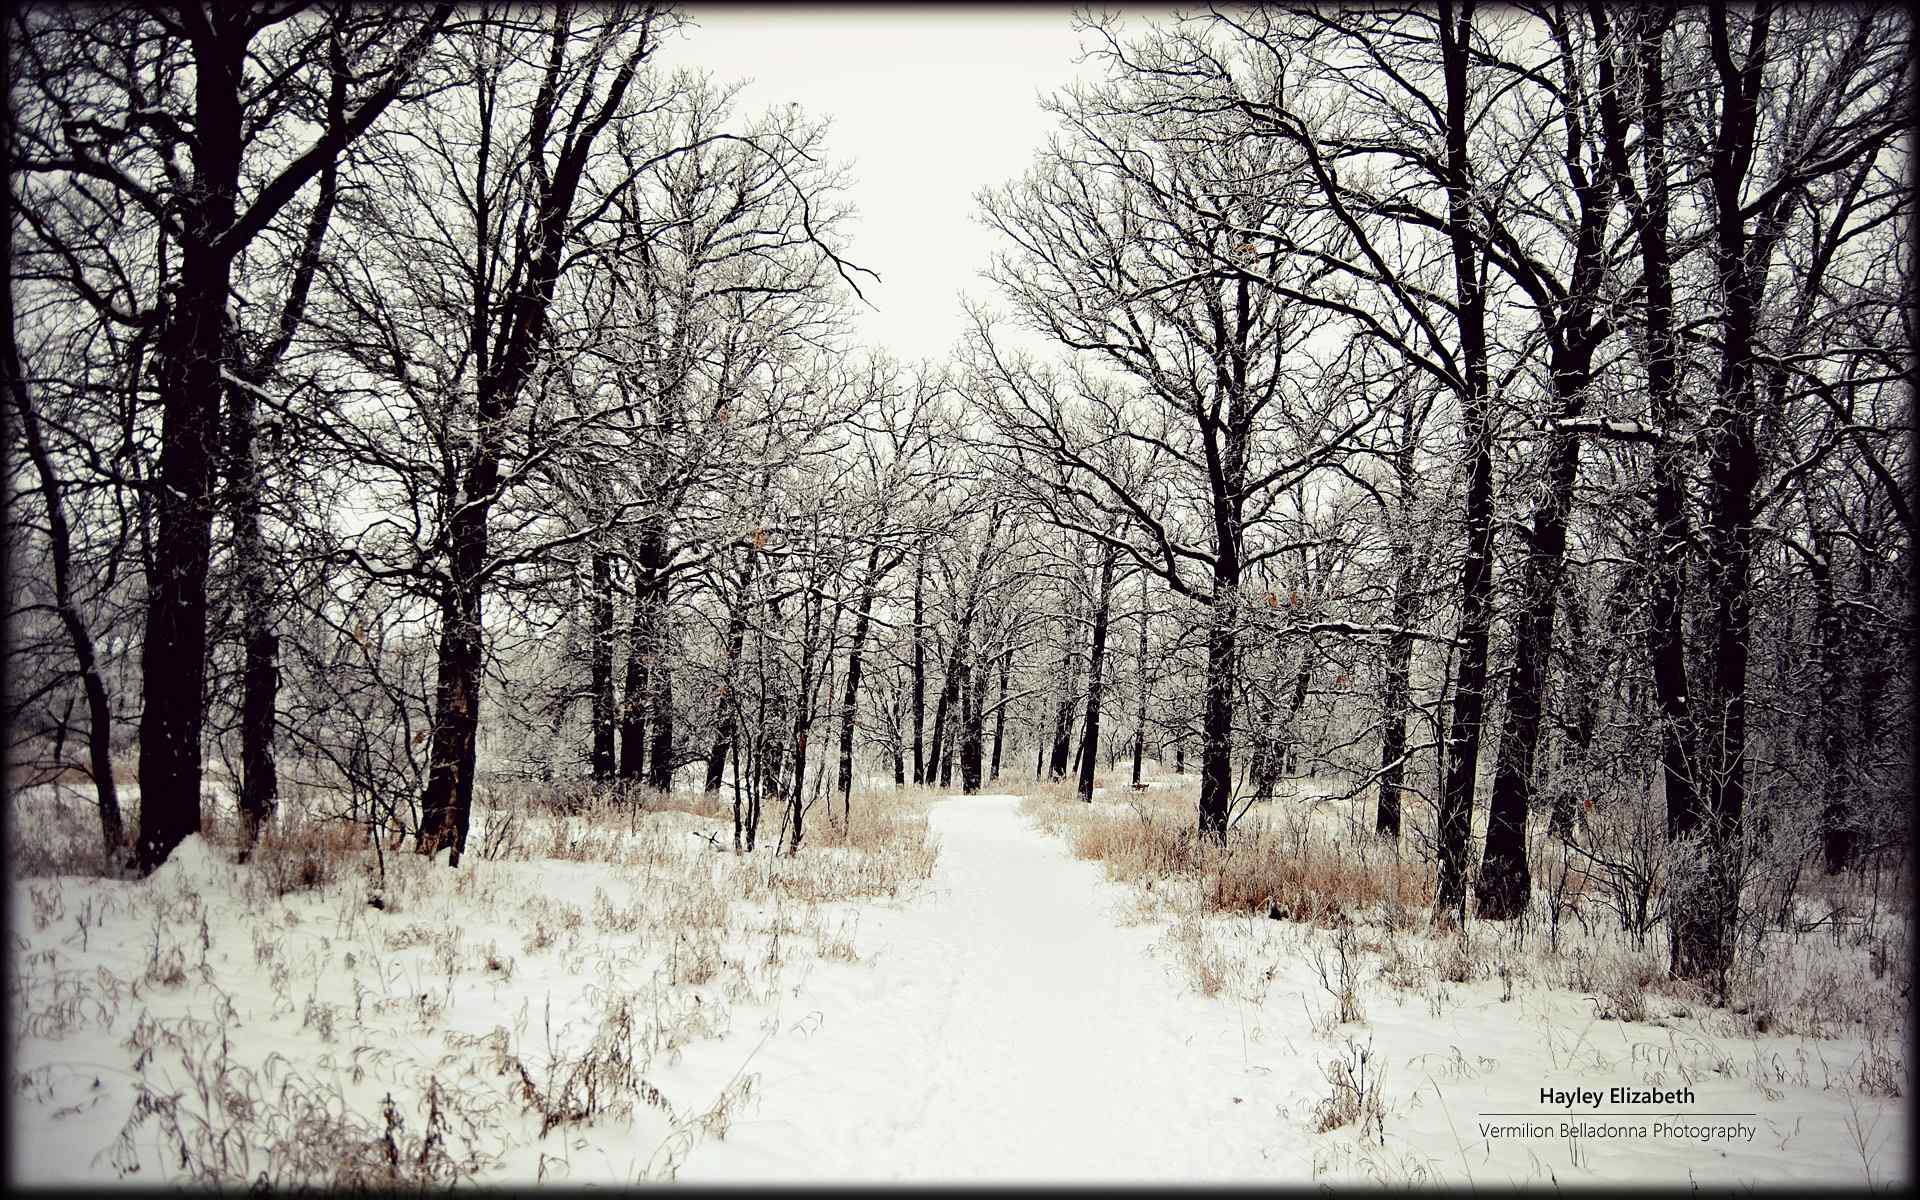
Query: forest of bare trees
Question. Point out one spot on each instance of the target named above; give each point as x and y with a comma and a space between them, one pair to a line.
1502, 411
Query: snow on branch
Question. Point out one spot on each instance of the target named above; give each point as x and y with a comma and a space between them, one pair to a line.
1607, 427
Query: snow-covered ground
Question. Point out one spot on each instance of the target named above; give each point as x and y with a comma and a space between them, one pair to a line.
692, 1015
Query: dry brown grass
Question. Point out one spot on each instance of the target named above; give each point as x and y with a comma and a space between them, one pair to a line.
1290, 876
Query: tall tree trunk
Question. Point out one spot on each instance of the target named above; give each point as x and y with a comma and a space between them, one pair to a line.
899, 740
850, 705
1666, 642
633, 700
1000, 709
1396, 693
1096, 678
940, 762
726, 715
260, 678
1702, 931
644, 661
260, 673
919, 661
1063, 721
601, 667
660, 752
1216, 731
1476, 574
1288, 759
191, 352
60, 553
1140, 713
972, 746
446, 806
1583, 689
505, 359
1837, 836
1505, 885
947, 751
797, 801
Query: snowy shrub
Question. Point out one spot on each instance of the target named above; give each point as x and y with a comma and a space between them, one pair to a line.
1456, 962
302, 854
1194, 949
1399, 966
603, 1079
1355, 1077
1623, 992
1338, 968
1621, 852
1880, 1071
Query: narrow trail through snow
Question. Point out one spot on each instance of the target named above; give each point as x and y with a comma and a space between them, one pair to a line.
1008, 1027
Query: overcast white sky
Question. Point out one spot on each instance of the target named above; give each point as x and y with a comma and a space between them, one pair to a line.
930, 104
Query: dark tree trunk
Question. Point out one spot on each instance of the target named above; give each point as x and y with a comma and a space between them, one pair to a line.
601, 667
947, 751
1063, 721
191, 352
1702, 930
724, 727
259, 702
60, 551
1505, 885
633, 701
1140, 712
645, 633
260, 672
448, 803
973, 741
1476, 574
1397, 693
1000, 709
940, 761
260, 679
850, 705
1838, 839
797, 801
919, 662
1584, 697
1667, 579
1216, 752
660, 752
1288, 759
1096, 676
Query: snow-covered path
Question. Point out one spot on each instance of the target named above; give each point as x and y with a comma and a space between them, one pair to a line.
1009, 1028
